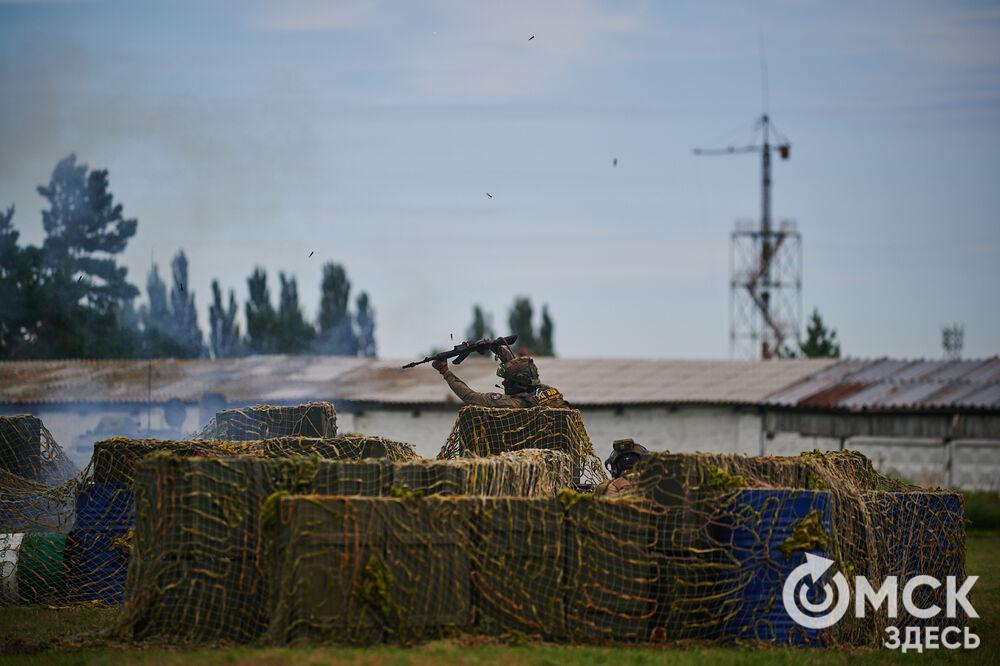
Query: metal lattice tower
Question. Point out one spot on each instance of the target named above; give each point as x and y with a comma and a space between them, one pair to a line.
765, 266
952, 341
765, 289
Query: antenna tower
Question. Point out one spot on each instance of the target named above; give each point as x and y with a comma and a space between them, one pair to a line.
952, 341
765, 264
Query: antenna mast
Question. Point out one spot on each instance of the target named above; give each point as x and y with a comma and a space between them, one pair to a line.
765, 266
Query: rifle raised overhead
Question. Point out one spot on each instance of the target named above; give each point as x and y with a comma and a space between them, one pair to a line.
462, 351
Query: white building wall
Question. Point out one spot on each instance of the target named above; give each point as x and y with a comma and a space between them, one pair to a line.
426, 429
711, 429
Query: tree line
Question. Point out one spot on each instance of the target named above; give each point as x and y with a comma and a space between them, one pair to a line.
69, 298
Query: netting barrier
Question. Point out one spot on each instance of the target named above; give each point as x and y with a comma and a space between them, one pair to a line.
65, 536
313, 419
353, 539
201, 569
486, 431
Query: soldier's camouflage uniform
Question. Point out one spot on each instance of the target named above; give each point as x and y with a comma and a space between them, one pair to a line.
536, 396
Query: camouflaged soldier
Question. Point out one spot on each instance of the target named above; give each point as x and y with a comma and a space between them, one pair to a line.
626, 453
520, 384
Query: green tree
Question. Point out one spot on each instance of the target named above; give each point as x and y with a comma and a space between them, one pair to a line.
85, 228
545, 332
170, 327
294, 334
336, 330
261, 318
20, 289
820, 342
520, 318
224, 333
481, 326
365, 320
183, 313
88, 311
155, 317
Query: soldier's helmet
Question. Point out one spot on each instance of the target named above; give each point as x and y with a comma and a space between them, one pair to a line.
520, 370
625, 455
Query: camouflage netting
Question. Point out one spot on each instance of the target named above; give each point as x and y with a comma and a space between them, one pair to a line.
313, 419
200, 568
751, 520
351, 539
485, 431
65, 536
28, 451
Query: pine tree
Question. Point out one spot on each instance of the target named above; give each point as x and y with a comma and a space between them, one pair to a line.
820, 342
20, 290
83, 226
88, 310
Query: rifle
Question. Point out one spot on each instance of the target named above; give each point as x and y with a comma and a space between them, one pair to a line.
462, 351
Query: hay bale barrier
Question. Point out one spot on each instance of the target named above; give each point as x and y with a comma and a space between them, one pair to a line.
270, 528
314, 419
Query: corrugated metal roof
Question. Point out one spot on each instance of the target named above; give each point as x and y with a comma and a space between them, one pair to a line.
283, 379
856, 384
880, 384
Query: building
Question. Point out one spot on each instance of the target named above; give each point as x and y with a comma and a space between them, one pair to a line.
933, 422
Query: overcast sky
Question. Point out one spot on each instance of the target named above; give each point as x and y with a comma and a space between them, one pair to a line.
369, 133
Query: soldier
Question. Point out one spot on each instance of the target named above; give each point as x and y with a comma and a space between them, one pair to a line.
520, 384
621, 461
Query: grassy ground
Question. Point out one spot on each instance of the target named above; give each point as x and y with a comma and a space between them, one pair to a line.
52, 636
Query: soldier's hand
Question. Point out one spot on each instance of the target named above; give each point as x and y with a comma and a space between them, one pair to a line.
441, 365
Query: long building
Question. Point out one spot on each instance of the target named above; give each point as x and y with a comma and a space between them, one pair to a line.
932, 422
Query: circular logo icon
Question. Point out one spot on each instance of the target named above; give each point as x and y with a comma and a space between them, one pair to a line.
795, 594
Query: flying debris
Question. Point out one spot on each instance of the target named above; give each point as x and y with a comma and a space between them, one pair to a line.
531, 38
489, 195
311, 254
614, 162
79, 278
181, 287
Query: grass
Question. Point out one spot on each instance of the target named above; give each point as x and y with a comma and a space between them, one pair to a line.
52, 636
982, 509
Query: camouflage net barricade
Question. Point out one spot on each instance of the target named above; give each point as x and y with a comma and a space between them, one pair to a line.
343, 447
199, 570
207, 541
28, 451
754, 518
77, 534
486, 431
313, 419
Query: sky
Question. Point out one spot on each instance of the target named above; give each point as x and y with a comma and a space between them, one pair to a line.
369, 133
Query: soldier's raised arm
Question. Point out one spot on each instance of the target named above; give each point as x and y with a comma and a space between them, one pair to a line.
470, 397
